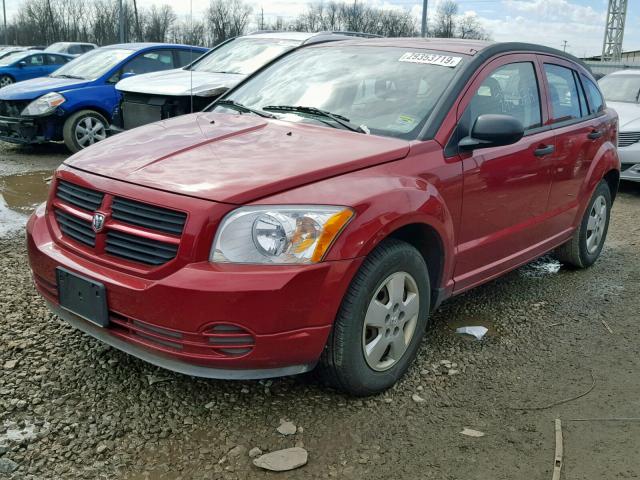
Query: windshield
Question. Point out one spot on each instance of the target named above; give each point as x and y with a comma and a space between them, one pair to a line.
13, 57
93, 64
56, 48
243, 55
620, 88
385, 91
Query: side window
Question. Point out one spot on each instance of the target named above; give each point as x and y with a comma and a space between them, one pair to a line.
510, 90
35, 60
563, 92
86, 48
150, 62
596, 102
185, 57
581, 95
75, 50
56, 60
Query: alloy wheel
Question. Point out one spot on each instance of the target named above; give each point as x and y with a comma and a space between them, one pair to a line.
596, 224
4, 81
390, 321
90, 130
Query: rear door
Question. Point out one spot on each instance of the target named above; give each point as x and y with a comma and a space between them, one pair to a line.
35, 67
580, 132
54, 62
505, 188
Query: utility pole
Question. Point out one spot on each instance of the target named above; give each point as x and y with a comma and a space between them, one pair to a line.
425, 4
564, 46
121, 23
614, 31
4, 13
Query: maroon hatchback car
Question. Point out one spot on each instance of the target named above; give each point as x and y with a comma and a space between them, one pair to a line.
320, 210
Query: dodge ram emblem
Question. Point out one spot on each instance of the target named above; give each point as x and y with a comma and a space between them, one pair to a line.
98, 222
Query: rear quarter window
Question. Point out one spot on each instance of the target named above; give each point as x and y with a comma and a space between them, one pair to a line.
594, 96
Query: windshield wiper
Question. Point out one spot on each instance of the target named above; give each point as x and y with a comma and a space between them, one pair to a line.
243, 109
339, 119
74, 77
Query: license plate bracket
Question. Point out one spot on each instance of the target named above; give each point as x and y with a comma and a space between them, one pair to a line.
83, 297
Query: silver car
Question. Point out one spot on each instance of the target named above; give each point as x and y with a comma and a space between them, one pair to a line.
160, 95
622, 92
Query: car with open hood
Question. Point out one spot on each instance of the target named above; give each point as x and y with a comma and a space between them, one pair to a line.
162, 95
75, 103
315, 215
622, 92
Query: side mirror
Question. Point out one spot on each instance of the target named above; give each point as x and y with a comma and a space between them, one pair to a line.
22, 64
492, 130
126, 75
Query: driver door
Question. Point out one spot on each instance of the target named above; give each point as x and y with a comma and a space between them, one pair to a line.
506, 188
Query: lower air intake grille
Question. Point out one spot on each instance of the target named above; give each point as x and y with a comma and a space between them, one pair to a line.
76, 228
139, 249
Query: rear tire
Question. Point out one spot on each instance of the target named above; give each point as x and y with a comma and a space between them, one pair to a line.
6, 80
83, 129
585, 246
381, 322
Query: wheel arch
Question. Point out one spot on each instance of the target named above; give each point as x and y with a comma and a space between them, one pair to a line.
80, 107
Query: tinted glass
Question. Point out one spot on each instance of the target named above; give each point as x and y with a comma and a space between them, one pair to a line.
389, 91
563, 92
94, 64
584, 110
35, 60
185, 57
619, 88
56, 60
243, 55
150, 62
87, 48
510, 90
75, 50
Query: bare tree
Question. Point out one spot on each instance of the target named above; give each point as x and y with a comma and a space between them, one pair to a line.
160, 21
227, 19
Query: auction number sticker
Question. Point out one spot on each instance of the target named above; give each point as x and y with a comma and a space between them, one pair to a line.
430, 59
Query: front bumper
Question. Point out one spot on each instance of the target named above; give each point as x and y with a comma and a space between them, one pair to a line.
20, 130
287, 311
630, 162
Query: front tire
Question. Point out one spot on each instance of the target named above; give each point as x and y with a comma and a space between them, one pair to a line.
381, 321
6, 80
83, 129
587, 242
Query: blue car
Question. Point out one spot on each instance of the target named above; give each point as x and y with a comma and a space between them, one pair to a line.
19, 66
76, 103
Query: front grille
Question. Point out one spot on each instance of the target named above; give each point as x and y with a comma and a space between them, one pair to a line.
76, 228
80, 197
148, 216
139, 249
628, 138
11, 108
133, 231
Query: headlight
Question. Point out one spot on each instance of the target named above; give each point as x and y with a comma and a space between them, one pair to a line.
278, 234
43, 105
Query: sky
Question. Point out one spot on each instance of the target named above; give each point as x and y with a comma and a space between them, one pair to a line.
548, 22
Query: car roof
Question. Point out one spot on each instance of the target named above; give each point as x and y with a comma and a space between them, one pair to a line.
626, 71
142, 46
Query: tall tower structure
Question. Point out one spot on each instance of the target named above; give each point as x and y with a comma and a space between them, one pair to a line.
614, 31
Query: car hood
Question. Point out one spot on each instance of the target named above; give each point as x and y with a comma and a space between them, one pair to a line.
32, 89
178, 82
233, 158
628, 115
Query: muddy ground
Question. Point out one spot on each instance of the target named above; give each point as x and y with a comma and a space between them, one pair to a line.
71, 407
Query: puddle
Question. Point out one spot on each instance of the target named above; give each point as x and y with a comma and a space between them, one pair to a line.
541, 268
20, 194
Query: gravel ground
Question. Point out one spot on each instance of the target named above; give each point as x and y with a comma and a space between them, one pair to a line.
71, 407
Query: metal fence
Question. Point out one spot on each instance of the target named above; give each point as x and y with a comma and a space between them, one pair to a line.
610, 67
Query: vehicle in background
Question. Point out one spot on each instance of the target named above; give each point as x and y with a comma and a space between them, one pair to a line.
36, 47
71, 48
622, 92
20, 66
9, 50
76, 102
321, 209
162, 95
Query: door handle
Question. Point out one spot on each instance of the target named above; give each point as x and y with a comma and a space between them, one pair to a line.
544, 150
594, 135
